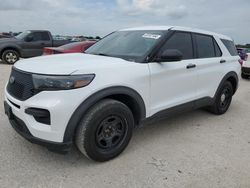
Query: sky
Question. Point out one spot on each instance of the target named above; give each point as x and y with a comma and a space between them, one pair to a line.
100, 17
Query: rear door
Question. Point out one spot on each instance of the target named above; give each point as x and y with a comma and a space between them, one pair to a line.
174, 83
210, 64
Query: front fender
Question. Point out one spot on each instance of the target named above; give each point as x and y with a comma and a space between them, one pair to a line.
93, 99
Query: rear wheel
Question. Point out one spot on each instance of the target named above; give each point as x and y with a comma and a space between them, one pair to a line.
223, 99
244, 76
10, 56
105, 131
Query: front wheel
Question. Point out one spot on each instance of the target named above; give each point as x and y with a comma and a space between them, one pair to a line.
223, 99
10, 56
105, 130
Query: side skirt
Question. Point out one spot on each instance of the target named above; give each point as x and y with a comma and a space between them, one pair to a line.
167, 113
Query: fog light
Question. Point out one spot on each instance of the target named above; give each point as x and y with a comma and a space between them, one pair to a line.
40, 115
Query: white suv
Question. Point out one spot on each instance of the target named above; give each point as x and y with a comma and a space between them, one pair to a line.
96, 99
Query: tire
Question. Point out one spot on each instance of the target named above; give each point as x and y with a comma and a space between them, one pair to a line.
10, 56
244, 76
223, 99
105, 131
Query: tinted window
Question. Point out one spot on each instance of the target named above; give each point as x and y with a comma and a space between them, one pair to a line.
38, 36
45, 36
205, 46
180, 41
230, 46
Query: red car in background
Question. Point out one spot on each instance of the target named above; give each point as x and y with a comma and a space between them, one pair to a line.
74, 47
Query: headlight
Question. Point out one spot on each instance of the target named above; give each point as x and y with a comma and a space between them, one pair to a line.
46, 82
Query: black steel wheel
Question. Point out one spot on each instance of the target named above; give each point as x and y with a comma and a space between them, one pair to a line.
222, 99
225, 98
105, 130
111, 132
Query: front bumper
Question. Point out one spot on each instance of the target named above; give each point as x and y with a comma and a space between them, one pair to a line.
246, 70
60, 105
21, 128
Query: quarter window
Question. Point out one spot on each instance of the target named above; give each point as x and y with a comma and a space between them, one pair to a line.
180, 41
230, 46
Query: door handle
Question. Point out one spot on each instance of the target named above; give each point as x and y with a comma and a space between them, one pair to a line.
223, 61
42, 43
190, 66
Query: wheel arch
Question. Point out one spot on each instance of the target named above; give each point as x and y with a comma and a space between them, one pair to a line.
232, 77
126, 95
10, 48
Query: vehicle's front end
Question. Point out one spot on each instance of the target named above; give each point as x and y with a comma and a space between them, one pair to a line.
43, 93
49, 98
36, 112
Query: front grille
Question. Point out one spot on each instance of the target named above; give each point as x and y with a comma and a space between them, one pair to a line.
20, 85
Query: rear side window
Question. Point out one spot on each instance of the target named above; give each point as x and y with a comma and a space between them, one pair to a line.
206, 46
230, 47
180, 41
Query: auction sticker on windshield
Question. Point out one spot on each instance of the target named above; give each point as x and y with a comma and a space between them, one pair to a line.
151, 36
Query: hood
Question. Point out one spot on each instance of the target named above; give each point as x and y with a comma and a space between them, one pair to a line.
3, 40
66, 64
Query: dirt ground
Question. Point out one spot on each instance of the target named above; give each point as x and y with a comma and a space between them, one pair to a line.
194, 149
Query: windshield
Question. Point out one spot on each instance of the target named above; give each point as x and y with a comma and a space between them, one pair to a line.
22, 35
129, 45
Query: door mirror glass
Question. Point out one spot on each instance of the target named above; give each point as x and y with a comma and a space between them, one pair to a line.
171, 55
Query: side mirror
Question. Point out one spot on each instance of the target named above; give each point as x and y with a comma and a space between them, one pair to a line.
170, 55
29, 38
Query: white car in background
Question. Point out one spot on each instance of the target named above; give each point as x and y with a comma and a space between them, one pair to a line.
245, 70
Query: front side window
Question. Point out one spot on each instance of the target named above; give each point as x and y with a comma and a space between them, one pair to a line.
40, 36
205, 46
129, 45
180, 41
36, 36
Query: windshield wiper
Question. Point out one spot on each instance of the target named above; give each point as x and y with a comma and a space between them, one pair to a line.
102, 54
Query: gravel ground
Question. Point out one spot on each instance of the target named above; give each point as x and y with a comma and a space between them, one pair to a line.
195, 149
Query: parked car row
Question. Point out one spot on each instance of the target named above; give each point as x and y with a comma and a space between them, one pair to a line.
27, 44
32, 43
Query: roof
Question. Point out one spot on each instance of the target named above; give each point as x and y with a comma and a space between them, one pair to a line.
177, 28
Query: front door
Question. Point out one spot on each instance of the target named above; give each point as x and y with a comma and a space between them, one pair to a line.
174, 83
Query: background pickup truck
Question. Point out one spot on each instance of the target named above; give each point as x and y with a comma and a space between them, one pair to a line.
27, 44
